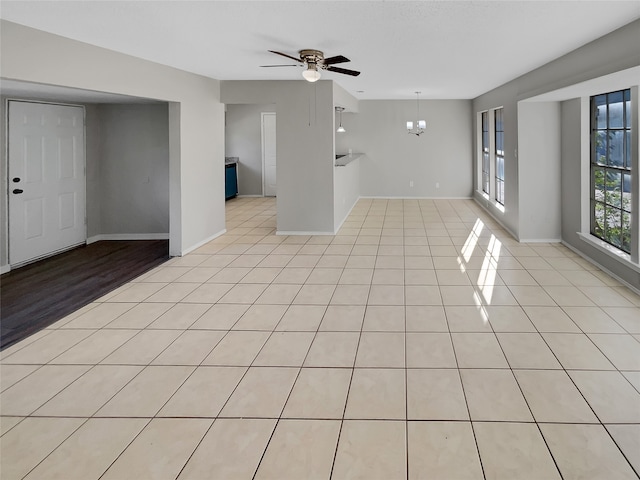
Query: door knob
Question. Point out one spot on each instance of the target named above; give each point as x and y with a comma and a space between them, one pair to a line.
17, 191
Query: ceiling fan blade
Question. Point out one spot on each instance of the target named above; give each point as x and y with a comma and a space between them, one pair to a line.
336, 59
269, 66
285, 55
353, 73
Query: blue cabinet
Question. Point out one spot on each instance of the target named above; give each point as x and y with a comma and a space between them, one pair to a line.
231, 180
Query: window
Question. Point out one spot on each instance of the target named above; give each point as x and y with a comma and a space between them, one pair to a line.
485, 153
491, 154
499, 155
611, 174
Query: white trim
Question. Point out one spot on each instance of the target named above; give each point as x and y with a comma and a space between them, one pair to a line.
262, 115
250, 196
635, 168
49, 254
303, 233
5, 173
5, 269
479, 152
199, 244
128, 236
490, 213
346, 216
414, 198
84, 166
609, 250
585, 164
540, 240
490, 201
492, 154
485, 196
604, 269
262, 148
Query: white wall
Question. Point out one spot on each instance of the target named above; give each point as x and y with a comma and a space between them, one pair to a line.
539, 136
508, 214
127, 169
342, 98
305, 139
92, 156
346, 189
575, 180
134, 169
615, 52
570, 166
393, 158
196, 117
92, 161
344, 140
243, 139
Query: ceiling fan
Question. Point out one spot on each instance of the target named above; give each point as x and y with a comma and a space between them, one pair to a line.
314, 61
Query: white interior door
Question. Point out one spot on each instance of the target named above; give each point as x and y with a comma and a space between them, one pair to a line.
46, 179
269, 154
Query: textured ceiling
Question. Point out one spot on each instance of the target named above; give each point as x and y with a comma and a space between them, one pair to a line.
445, 49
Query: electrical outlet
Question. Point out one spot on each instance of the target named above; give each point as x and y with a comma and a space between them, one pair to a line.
411, 183
437, 184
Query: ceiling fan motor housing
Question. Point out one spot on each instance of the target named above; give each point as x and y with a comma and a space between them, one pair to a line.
311, 56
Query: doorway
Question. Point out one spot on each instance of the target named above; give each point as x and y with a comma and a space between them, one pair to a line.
269, 157
46, 175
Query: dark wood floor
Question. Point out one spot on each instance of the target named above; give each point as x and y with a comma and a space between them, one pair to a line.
37, 295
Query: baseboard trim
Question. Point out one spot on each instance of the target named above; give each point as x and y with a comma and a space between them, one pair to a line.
346, 216
128, 236
284, 232
5, 269
540, 240
490, 213
201, 243
414, 198
604, 269
250, 196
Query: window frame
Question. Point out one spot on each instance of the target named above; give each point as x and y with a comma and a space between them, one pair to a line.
485, 152
600, 200
498, 131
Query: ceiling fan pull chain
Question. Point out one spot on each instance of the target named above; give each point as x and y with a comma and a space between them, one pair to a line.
309, 109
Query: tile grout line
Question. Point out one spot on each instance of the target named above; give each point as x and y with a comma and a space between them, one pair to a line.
346, 401
449, 227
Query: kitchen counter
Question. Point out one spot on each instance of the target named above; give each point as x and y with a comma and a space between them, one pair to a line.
344, 159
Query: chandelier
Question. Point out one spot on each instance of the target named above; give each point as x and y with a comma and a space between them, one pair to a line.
421, 125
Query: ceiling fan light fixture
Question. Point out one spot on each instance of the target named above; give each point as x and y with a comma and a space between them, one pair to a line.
311, 74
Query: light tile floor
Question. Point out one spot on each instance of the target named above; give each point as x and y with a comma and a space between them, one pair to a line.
422, 341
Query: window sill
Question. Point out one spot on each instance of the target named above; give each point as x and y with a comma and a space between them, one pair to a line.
485, 196
609, 250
